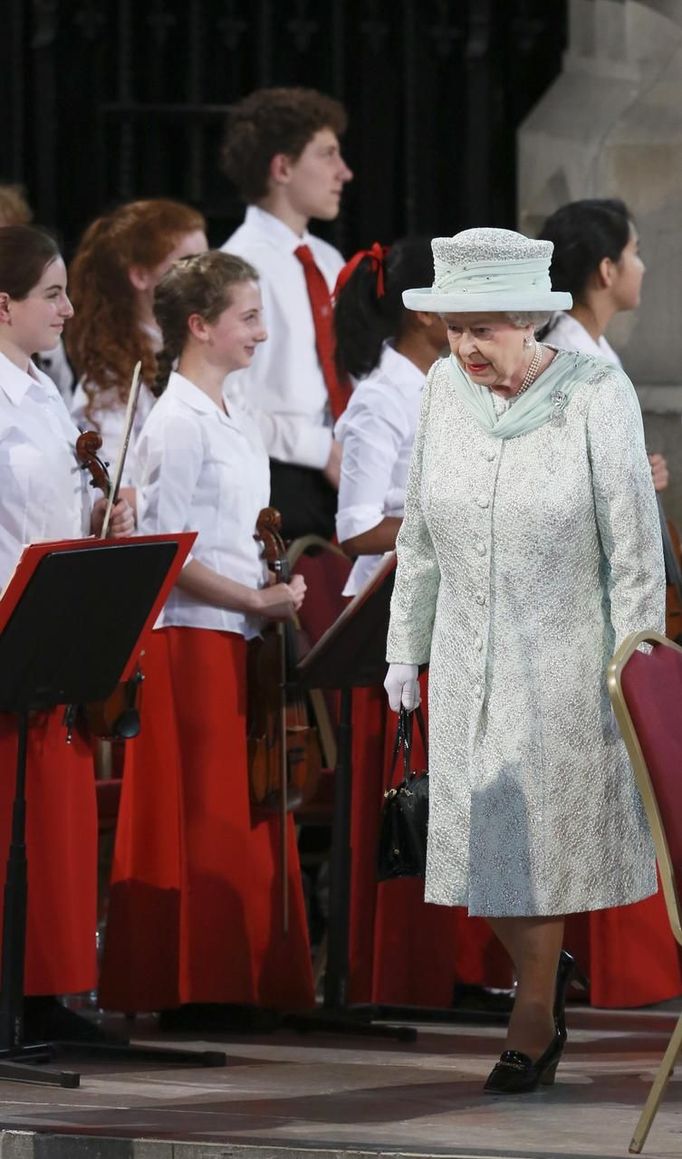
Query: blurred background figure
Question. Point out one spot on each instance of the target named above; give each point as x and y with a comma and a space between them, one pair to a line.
15, 210
282, 152
387, 350
596, 259
121, 258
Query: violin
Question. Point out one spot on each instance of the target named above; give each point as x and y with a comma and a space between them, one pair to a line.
118, 716
284, 753
672, 554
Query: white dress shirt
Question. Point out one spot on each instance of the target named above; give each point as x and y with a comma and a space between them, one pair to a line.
108, 419
200, 469
44, 493
285, 383
568, 334
377, 431
55, 364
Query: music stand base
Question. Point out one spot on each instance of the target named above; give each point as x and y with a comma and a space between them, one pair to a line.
14, 1069
444, 1014
15, 1062
346, 1020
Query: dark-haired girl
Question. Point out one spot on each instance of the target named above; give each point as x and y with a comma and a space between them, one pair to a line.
401, 949
195, 904
630, 954
44, 496
596, 259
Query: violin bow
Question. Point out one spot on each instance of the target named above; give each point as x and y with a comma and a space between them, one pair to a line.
133, 396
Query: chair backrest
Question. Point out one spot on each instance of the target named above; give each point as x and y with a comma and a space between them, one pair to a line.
325, 569
646, 692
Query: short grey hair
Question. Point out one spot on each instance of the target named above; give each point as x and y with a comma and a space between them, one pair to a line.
534, 318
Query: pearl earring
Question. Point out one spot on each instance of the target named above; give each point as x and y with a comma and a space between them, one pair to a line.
527, 342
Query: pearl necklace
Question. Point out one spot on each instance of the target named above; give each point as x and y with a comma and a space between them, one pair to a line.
532, 372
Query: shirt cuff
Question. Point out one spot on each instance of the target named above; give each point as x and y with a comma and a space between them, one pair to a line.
353, 521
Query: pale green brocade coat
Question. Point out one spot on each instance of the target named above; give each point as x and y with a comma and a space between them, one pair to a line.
522, 563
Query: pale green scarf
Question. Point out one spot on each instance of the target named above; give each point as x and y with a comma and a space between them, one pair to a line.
545, 400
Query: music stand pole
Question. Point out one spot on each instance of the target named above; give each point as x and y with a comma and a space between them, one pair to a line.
44, 662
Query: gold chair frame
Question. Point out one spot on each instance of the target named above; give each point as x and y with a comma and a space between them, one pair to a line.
665, 866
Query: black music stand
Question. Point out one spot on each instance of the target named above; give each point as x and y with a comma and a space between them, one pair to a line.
71, 619
351, 654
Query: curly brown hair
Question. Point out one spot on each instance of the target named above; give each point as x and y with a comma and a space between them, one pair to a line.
272, 121
199, 285
104, 339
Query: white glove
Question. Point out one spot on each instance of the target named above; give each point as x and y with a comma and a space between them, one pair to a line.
402, 686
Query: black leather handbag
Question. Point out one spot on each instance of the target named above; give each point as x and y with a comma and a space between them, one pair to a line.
405, 812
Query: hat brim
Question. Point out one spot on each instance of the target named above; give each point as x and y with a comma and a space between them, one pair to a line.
427, 300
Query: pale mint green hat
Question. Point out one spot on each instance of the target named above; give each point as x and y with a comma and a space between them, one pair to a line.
489, 270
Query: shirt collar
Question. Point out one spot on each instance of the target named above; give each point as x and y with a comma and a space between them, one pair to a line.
398, 367
16, 383
181, 387
276, 231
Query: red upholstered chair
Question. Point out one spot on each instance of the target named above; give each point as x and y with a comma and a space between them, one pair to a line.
646, 693
325, 568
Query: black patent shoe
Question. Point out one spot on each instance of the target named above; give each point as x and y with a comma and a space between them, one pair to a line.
517, 1074
568, 973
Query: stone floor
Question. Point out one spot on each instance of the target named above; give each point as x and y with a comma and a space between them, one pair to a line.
285, 1095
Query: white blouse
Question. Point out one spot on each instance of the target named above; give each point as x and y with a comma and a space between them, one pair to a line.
108, 418
200, 469
377, 431
567, 333
44, 492
284, 383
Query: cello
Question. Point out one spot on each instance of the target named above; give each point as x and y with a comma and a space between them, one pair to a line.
283, 749
277, 708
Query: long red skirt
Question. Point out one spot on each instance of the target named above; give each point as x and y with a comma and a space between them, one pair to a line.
61, 846
628, 953
403, 950
195, 905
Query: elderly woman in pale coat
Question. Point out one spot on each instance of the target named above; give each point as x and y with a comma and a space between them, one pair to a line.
530, 547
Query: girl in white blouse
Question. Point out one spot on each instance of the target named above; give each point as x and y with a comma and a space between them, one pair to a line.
194, 907
44, 496
596, 259
388, 353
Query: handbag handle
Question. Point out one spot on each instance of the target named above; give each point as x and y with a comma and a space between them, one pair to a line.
403, 741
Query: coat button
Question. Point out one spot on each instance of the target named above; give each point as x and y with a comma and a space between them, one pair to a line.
488, 454
483, 501
478, 690
480, 547
478, 643
480, 598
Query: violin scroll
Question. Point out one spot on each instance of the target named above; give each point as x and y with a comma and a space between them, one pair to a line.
87, 446
268, 533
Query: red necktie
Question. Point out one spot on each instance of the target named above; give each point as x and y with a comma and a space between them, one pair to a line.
338, 387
